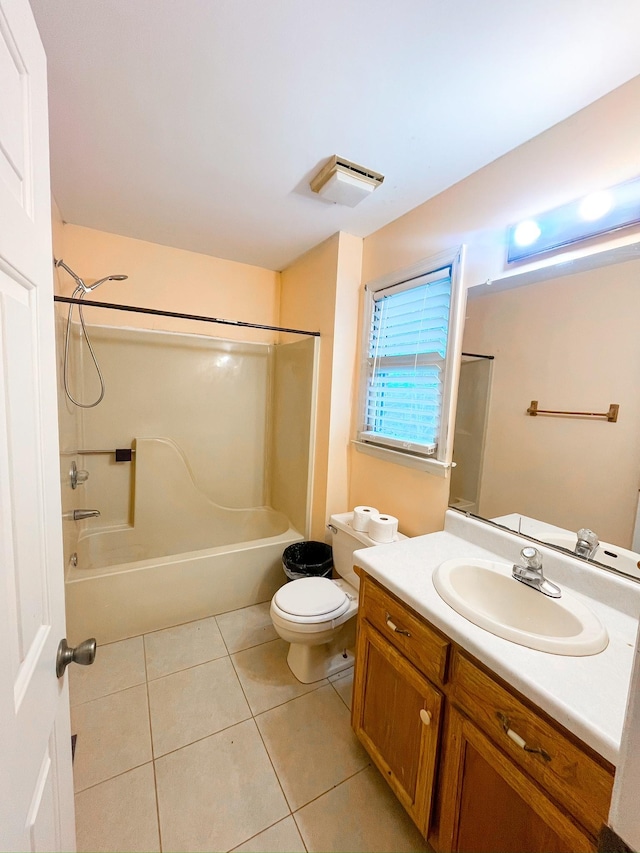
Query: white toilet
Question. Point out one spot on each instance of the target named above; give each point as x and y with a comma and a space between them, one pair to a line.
316, 615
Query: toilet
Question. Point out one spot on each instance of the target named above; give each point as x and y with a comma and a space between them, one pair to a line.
317, 615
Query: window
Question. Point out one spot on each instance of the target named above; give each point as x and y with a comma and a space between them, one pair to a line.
412, 327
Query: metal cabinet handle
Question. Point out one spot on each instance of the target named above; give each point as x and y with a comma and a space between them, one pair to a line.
395, 628
425, 716
84, 654
519, 741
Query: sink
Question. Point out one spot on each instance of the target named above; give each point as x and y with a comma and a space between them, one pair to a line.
484, 592
627, 562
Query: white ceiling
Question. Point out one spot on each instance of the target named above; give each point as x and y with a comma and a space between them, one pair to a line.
198, 123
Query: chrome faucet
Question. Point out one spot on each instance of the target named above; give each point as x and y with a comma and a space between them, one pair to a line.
531, 573
79, 514
587, 544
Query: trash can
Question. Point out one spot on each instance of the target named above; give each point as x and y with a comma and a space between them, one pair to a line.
307, 560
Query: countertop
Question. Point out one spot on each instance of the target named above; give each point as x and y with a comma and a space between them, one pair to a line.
587, 695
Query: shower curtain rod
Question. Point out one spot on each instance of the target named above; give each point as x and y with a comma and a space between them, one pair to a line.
91, 303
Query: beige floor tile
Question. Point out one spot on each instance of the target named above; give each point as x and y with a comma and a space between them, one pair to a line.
185, 645
113, 736
116, 667
311, 744
194, 703
218, 792
343, 685
119, 814
361, 815
283, 837
266, 678
251, 626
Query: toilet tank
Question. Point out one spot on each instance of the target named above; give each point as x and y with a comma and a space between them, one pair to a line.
344, 542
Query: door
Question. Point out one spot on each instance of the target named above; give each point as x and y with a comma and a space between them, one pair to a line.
490, 806
36, 788
396, 715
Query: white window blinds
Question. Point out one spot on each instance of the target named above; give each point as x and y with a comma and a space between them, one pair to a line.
405, 363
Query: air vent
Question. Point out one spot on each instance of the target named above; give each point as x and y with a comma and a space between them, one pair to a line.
344, 182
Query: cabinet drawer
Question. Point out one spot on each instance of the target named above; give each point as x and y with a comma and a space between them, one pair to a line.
427, 650
568, 773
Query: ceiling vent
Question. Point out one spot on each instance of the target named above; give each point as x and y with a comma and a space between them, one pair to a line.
344, 182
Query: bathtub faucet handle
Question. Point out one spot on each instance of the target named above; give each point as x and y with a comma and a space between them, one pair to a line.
77, 477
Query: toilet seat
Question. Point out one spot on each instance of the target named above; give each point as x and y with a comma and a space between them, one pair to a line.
311, 601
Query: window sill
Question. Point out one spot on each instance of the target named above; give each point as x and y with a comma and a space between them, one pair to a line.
431, 466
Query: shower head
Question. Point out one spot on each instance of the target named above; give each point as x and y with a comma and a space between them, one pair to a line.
85, 288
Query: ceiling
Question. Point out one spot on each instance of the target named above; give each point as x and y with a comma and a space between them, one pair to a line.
199, 123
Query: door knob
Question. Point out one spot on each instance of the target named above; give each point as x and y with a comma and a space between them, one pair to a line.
84, 654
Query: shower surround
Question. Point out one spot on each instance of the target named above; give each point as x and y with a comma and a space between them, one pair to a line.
217, 485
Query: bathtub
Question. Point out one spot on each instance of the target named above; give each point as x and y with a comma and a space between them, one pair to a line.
125, 600
182, 558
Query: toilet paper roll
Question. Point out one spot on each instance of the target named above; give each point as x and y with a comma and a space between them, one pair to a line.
362, 515
383, 528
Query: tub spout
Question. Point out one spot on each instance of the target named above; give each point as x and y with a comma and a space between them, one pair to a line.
79, 514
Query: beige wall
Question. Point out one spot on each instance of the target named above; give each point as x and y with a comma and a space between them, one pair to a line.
172, 280
595, 148
307, 301
320, 292
572, 344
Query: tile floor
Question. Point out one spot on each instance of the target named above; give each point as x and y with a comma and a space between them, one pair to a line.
199, 738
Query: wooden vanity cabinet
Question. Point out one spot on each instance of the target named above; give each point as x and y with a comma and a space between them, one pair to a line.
397, 715
476, 766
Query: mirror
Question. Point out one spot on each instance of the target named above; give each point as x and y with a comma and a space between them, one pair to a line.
567, 337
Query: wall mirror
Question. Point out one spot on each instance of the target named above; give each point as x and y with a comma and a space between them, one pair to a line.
567, 336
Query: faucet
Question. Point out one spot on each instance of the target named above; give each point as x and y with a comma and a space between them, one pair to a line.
79, 514
531, 573
587, 544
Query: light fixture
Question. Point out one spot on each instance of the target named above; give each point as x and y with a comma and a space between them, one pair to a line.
596, 205
596, 213
526, 232
344, 182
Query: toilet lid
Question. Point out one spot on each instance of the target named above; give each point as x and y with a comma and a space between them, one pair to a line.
312, 597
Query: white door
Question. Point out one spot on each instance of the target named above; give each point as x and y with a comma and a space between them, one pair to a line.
36, 787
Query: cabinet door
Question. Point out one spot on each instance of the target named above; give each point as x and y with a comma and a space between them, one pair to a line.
396, 715
490, 806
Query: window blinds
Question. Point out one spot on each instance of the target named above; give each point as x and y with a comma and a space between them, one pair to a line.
405, 363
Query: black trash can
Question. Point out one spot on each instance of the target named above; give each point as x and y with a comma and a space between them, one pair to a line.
307, 560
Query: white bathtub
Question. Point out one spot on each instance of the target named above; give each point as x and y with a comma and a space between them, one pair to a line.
125, 600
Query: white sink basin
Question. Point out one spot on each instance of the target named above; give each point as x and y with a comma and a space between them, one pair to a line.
484, 592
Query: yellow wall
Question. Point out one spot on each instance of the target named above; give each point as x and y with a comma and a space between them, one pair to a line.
307, 301
171, 280
595, 148
345, 371
320, 292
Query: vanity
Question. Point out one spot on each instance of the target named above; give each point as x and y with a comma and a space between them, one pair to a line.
489, 745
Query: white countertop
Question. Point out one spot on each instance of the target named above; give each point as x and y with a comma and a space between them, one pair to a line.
587, 695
